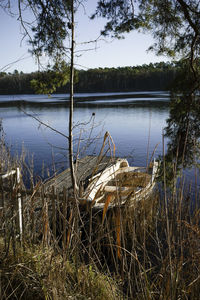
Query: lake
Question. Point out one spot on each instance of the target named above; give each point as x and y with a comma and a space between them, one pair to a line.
134, 120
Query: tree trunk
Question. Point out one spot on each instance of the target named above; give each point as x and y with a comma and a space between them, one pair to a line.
72, 169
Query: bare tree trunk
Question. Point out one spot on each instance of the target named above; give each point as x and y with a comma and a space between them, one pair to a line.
72, 169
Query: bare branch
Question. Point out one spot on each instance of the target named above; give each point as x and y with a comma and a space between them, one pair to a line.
6, 67
44, 124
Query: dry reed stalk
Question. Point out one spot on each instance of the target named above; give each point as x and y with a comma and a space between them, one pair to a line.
53, 201
45, 219
167, 217
118, 233
70, 229
64, 214
109, 198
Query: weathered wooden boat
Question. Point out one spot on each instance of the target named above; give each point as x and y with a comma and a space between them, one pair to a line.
107, 181
119, 184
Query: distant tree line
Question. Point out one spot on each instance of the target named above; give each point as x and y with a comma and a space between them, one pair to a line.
157, 76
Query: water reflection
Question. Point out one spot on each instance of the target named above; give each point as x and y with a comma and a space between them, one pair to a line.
183, 133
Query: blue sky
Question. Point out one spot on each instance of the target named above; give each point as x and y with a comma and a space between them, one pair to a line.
130, 51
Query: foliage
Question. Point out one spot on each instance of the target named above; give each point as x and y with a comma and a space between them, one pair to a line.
47, 32
183, 129
157, 76
47, 82
174, 25
185, 82
175, 28
51, 27
120, 15
183, 137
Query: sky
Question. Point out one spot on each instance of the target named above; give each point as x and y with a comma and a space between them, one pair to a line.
131, 51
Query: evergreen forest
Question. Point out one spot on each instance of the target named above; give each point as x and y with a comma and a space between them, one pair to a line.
157, 76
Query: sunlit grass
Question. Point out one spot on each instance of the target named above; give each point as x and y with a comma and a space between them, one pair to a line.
150, 250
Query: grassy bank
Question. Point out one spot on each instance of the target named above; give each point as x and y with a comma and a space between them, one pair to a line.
148, 251
137, 254
40, 273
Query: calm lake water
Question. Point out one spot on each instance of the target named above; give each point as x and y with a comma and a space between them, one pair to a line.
129, 118
134, 120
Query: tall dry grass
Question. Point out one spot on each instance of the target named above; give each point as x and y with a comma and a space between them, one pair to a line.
150, 250
40, 273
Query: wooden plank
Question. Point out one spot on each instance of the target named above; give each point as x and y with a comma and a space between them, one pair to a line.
86, 167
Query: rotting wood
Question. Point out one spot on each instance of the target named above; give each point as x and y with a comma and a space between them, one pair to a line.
85, 169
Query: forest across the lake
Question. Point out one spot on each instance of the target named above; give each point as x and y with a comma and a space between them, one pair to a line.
157, 76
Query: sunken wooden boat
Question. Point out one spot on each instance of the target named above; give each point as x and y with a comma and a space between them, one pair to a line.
107, 181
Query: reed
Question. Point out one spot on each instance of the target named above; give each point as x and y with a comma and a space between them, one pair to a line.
148, 251
39, 273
